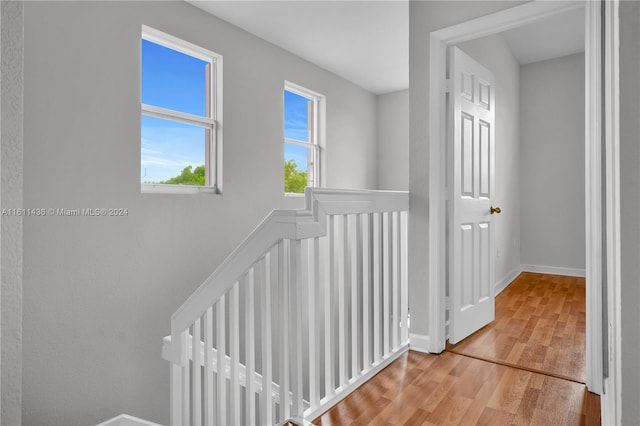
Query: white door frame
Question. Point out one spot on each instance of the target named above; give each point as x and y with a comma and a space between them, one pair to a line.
611, 401
494, 23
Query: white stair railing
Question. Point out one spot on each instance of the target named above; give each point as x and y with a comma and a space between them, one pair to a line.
311, 305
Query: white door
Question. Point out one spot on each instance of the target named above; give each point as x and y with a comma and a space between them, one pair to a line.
471, 177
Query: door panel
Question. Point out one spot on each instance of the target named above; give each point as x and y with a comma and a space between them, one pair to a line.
466, 263
467, 155
485, 160
471, 178
485, 258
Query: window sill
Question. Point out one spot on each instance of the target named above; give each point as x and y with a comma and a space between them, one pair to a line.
146, 188
293, 195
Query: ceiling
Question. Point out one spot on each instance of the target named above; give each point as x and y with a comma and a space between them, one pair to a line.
367, 41
553, 37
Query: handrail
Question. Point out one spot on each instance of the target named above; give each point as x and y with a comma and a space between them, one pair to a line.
321, 201
338, 264
309, 222
277, 225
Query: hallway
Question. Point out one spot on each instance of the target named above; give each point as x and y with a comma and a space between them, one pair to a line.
539, 326
525, 368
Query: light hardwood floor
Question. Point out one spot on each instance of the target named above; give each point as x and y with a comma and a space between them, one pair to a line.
446, 389
539, 326
540, 323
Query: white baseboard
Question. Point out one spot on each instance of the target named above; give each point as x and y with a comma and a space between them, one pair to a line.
126, 420
419, 342
555, 270
506, 280
541, 269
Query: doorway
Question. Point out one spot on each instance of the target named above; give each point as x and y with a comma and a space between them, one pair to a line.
539, 87
491, 24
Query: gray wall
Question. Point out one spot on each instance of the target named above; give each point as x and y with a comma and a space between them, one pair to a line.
494, 53
552, 159
425, 17
393, 141
99, 292
11, 135
630, 208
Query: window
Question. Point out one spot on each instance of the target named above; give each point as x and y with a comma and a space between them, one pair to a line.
303, 132
181, 112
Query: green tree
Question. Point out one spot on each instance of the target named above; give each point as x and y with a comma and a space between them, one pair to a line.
294, 180
188, 176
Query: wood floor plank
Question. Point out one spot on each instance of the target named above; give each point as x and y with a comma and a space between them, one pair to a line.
451, 410
473, 413
493, 417
417, 417
510, 391
527, 406
436, 397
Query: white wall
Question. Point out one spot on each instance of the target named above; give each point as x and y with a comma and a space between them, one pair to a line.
494, 53
552, 160
630, 208
425, 17
393, 141
99, 292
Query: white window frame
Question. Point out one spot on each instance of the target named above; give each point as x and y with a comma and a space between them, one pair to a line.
316, 133
212, 122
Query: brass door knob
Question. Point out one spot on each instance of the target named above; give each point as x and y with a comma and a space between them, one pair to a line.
495, 210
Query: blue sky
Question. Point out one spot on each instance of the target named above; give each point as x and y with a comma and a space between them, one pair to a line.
296, 127
173, 80
176, 81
